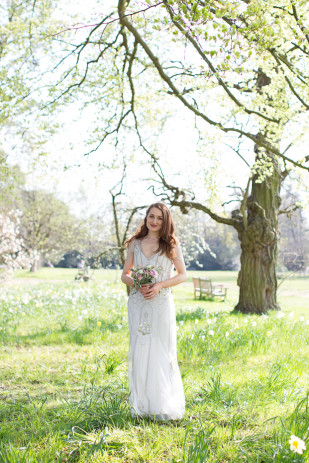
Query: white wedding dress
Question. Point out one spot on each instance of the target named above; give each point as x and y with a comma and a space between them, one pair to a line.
154, 379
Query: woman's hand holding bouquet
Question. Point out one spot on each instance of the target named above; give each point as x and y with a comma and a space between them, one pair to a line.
144, 280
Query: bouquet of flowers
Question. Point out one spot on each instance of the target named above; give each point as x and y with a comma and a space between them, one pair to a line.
143, 275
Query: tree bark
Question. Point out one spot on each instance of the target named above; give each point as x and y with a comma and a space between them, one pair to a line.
257, 278
35, 265
117, 231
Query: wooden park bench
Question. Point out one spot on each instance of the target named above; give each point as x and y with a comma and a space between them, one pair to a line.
203, 287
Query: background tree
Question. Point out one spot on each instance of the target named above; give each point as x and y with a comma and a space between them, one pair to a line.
12, 181
48, 227
224, 250
205, 245
294, 234
13, 254
25, 32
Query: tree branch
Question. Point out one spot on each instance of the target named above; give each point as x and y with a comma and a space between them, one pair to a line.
126, 23
183, 203
73, 28
197, 47
301, 26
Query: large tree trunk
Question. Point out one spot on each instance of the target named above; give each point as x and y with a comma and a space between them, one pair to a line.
258, 235
258, 238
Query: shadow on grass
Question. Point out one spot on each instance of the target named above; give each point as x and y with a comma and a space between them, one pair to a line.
27, 419
64, 334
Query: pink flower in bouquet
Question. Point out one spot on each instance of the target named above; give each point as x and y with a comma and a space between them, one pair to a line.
143, 275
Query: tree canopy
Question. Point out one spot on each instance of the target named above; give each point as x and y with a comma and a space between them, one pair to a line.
237, 68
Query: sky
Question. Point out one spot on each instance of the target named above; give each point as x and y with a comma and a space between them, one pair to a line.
72, 175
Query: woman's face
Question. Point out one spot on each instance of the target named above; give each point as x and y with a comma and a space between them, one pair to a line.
154, 219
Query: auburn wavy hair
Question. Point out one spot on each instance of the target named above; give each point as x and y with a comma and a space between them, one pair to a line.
167, 241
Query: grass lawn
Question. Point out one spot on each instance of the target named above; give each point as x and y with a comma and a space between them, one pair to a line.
63, 380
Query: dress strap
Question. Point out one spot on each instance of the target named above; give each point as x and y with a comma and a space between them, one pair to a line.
137, 244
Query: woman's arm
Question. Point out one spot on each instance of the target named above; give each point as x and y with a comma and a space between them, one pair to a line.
175, 280
125, 277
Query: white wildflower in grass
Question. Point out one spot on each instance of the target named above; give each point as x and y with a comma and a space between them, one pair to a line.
177, 328
236, 326
297, 445
208, 321
280, 315
192, 336
246, 320
227, 334
268, 333
203, 338
211, 332
181, 322
196, 321
253, 323
302, 319
307, 322
291, 315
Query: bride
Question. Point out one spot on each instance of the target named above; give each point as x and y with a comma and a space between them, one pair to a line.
154, 379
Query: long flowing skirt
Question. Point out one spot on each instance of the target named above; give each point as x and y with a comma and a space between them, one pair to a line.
154, 379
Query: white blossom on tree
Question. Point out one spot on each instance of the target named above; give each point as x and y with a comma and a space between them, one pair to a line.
13, 255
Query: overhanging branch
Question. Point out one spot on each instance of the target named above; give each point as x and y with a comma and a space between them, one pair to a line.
178, 198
